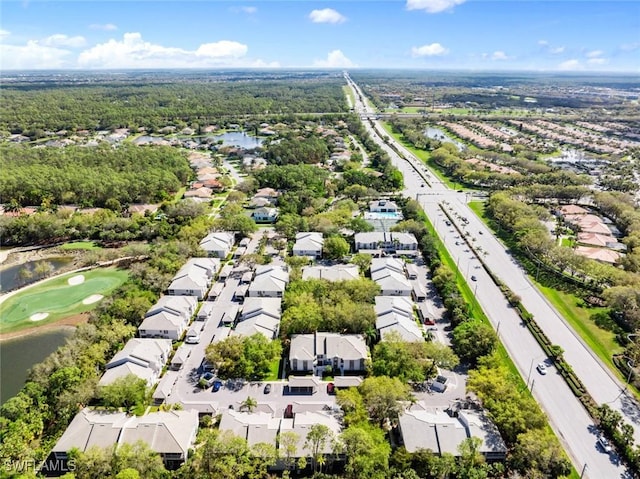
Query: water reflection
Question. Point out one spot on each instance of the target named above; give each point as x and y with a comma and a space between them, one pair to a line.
26, 273
19, 355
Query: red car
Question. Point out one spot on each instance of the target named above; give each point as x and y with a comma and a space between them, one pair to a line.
331, 388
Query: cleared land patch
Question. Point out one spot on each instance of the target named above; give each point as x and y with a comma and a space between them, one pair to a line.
58, 298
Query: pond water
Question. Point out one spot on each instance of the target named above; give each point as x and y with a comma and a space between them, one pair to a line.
22, 274
239, 138
438, 134
19, 355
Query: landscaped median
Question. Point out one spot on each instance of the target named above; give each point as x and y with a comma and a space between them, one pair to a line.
57, 298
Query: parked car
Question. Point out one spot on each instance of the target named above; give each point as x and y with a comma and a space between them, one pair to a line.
288, 411
267, 388
331, 388
542, 368
194, 339
604, 444
217, 384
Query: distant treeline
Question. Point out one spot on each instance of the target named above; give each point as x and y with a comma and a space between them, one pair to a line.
90, 176
34, 109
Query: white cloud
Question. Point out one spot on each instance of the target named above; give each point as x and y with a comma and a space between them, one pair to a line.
107, 27
594, 53
433, 6
499, 55
222, 49
434, 49
32, 56
62, 40
133, 52
249, 10
4, 33
629, 47
327, 15
597, 61
335, 59
547, 46
570, 65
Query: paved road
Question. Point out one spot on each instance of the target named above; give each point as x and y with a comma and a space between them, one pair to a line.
567, 416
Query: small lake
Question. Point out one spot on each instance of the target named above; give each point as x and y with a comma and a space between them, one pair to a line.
22, 274
19, 355
438, 134
239, 138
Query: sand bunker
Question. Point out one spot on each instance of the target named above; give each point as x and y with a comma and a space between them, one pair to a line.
38, 316
77, 279
94, 298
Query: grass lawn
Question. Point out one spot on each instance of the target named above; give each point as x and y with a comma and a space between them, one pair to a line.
568, 242
84, 245
478, 208
57, 298
600, 341
274, 368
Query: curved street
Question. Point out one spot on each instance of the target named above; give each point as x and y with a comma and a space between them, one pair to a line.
570, 421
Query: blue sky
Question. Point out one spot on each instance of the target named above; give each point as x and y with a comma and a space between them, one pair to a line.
542, 35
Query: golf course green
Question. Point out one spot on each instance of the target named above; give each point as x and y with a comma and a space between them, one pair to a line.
58, 298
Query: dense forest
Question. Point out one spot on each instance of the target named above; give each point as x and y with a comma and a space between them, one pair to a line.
90, 176
32, 109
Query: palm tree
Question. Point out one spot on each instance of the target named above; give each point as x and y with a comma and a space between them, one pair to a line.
249, 404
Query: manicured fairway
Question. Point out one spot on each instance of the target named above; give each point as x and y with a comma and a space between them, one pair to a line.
58, 298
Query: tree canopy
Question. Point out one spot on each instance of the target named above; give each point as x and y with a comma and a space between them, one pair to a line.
246, 357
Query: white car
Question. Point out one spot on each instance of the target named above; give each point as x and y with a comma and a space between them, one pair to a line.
604, 444
542, 369
192, 339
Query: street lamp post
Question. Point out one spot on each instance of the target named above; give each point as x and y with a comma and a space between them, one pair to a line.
533, 360
583, 469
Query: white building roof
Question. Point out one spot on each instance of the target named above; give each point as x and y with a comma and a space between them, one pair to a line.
180, 305
342, 272
146, 352
163, 321
269, 279
262, 306
309, 241
171, 432
392, 281
398, 304
218, 241
386, 264
330, 345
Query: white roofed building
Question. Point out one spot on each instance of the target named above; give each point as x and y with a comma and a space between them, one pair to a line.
308, 244
269, 281
339, 272
218, 244
315, 352
143, 357
168, 433
377, 243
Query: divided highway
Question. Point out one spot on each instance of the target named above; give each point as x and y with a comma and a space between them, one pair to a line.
567, 416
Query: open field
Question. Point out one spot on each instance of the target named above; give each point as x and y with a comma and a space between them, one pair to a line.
58, 298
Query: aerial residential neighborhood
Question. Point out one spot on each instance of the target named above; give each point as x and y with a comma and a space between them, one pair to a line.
319, 272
